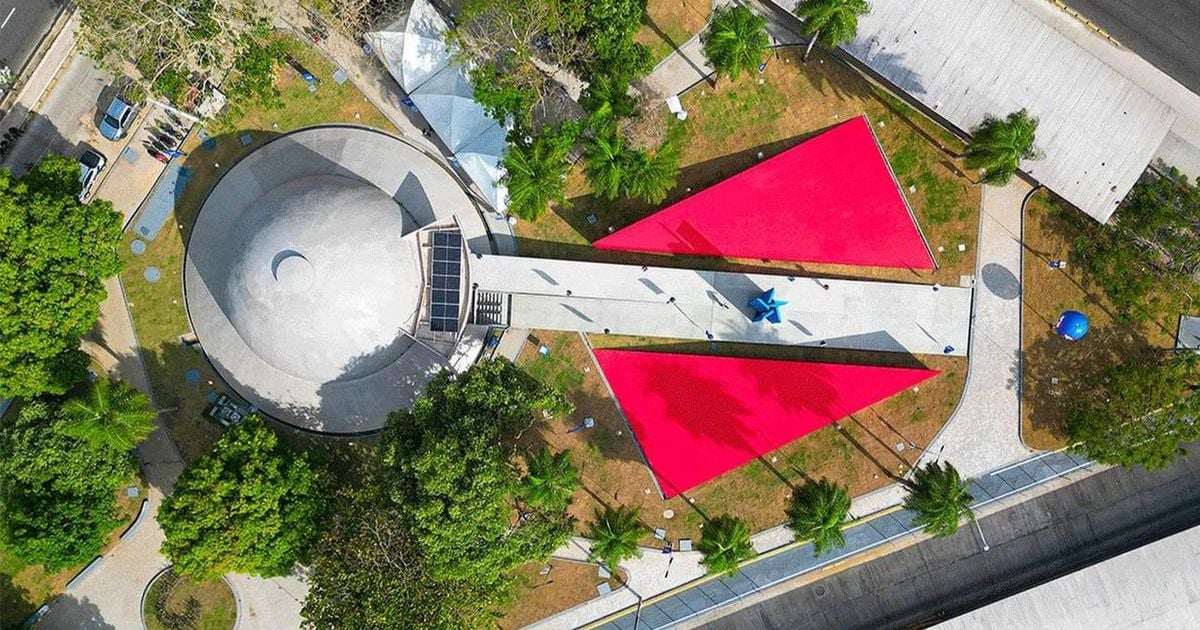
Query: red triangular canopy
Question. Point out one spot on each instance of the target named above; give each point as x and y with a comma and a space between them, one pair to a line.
697, 417
831, 199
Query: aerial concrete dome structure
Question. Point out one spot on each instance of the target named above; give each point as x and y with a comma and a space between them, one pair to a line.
308, 272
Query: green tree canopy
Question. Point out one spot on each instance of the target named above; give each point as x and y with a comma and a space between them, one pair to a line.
939, 497
1138, 413
833, 22
54, 256
818, 510
537, 171
368, 572
736, 40
550, 481
725, 544
57, 493
249, 506
615, 534
998, 146
605, 159
109, 415
447, 463
614, 168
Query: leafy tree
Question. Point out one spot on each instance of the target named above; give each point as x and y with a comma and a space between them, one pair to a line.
834, 22
725, 544
54, 256
550, 482
368, 572
608, 30
500, 97
447, 464
57, 493
615, 534
736, 40
249, 506
1138, 413
998, 146
253, 78
110, 415
817, 511
537, 171
939, 497
166, 41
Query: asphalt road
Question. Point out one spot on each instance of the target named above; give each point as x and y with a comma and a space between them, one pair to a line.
24, 22
1165, 33
1031, 543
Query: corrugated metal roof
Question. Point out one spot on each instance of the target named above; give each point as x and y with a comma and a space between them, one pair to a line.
966, 59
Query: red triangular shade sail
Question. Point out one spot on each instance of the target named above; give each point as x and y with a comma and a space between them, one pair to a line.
697, 417
831, 199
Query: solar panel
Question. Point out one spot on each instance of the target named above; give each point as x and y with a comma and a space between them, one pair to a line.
443, 312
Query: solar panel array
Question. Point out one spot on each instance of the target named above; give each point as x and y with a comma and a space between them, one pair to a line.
446, 279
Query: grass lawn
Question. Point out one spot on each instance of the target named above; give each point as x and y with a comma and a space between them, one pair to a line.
178, 602
1053, 367
729, 127
670, 23
158, 310
568, 584
24, 587
860, 455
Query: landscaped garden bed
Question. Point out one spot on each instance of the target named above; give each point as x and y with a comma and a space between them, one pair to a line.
158, 310
540, 593
174, 602
734, 126
1054, 370
861, 454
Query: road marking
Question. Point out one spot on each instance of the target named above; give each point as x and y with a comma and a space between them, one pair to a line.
9, 17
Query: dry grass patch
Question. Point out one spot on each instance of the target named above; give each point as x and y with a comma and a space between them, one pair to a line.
860, 455
670, 23
567, 585
727, 130
1054, 369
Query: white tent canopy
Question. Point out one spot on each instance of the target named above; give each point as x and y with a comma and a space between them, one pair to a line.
416, 55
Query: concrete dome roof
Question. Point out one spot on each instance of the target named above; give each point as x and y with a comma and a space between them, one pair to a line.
304, 277
322, 282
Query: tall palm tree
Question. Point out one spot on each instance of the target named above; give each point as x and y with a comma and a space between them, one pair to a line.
605, 100
725, 544
998, 146
939, 497
550, 482
736, 40
651, 177
537, 172
833, 22
605, 162
615, 534
817, 511
110, 415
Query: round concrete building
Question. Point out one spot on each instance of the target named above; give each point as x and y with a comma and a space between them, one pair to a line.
325, 277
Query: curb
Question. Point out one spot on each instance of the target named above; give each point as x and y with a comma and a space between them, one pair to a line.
57, 27
1082, 19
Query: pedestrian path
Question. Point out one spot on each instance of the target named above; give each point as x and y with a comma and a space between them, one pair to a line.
984, 432
694, 596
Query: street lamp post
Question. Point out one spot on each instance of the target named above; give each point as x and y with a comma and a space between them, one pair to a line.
986, 547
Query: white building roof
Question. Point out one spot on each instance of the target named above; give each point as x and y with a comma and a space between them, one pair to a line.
417, 56
966, 59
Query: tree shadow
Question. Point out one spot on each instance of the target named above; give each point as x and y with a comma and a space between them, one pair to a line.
79, 614
16, 602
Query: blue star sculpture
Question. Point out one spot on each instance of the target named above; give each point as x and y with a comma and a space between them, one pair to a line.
766, 307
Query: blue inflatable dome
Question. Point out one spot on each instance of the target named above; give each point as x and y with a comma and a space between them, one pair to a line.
1072, 325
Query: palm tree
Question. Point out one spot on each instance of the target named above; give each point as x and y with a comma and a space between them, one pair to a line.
736, 40
110, 415
605, 100
998, 146
615, 534
939, 497
537, 172
605, 162
833, 22
817, 511
550, 482
725, 544
650, 178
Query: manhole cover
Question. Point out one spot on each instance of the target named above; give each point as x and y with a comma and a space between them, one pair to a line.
192, 376
819, 590
138, 246
151, 274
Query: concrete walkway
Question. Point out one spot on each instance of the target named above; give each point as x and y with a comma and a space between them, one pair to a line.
985, 431
690, 304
